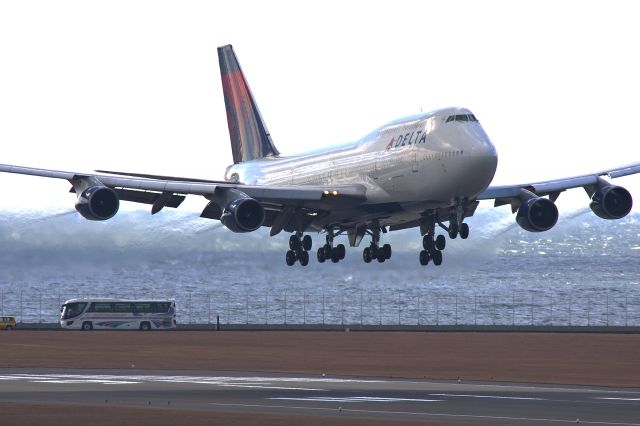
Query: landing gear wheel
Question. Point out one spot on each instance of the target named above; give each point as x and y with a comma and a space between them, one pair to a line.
307, 242
366, 255
290, 258
381, 257
424, 258
327, 251
335, 256
386, 250
341, 251
441, 242
427, 242
374, 251
464, 231
453, 230
294, 242
437, 257
321, 257
303, 257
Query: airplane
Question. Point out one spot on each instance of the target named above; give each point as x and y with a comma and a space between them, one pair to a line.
427, 171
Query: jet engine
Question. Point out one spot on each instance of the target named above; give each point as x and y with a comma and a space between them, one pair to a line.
611, 202
240, 214
537, 214
98, 203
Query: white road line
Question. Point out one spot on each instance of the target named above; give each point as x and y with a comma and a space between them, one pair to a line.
488, 396
355, 399
424, 414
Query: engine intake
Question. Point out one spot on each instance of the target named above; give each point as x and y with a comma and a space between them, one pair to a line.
537, 214
98, 203
611, 202
243, 214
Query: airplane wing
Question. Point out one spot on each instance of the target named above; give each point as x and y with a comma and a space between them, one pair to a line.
553, 188
281, 203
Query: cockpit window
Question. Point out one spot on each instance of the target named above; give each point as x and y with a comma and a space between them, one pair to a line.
461, 117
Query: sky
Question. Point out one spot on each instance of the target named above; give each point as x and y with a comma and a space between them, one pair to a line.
135, 86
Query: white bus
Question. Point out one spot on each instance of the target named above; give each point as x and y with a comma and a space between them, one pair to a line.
116, 314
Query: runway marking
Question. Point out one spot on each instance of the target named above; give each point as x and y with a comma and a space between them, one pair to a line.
619, 399
278, 383
356, 399
488, 396
426, 414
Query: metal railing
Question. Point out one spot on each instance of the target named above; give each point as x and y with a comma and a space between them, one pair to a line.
605, 308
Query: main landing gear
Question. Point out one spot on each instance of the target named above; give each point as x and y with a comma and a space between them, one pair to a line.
374, 251
299, 247
434, 245
329, 252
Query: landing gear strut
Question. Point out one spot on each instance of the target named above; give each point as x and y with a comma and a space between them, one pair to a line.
329, 252
374, 251
434, 245
299, 247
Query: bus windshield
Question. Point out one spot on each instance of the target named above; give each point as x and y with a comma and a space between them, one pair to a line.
72, 310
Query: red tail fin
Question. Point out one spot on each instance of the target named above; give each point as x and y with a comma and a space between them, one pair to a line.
250, 138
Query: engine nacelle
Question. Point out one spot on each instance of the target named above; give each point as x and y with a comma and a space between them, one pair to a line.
243, 214
611, 202
98, 203
537, 214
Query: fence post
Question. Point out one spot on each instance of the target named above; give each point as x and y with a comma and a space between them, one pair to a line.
246, 307
513, 308
361, 307
40, 312
607, 314
342, 309
494, 309
570, 306
456, 308
2, 295
285, 307
228, 308
589, 311
626, 311
21, 320
304, 308
209, 307
399, 321
380, 309
266, 308
189, 308
532, 308
418, 308
475, 309
323, 308
551, 309
437, 309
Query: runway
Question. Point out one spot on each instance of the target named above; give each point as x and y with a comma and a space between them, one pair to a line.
390, 400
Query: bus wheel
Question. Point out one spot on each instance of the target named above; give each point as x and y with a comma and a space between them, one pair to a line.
9, 328
86, 326
145, 326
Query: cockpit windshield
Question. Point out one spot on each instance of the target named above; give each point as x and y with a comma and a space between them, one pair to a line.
461, 117
72, 310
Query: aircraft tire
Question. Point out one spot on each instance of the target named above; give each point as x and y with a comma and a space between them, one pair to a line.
441, 242
294, 242
453, 230
366, 255
386, 250
427, 243
303, 257
424, 258
290, 258
464, 231
341, 251
437, 258
320, 256
307, 242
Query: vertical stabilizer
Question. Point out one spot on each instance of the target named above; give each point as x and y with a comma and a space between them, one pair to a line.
250, 138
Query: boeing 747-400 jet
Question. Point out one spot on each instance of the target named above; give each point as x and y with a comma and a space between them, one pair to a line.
426, 171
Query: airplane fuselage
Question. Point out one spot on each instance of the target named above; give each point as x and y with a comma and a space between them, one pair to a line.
424, 161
